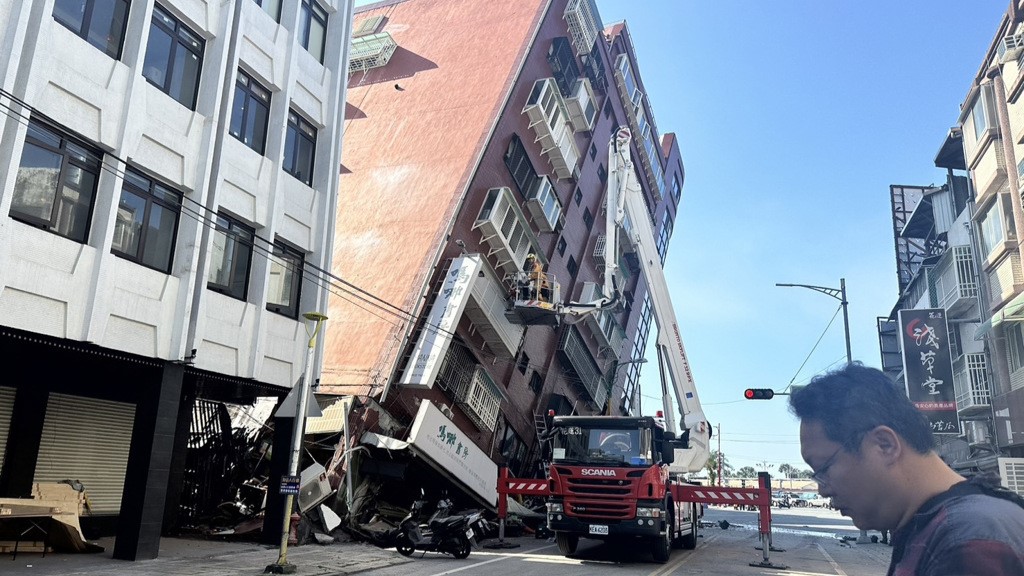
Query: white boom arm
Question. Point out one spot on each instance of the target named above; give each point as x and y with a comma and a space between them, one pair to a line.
627, 211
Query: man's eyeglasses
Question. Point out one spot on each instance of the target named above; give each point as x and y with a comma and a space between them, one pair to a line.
820, 475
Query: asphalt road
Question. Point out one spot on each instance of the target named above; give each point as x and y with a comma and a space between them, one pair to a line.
812, 540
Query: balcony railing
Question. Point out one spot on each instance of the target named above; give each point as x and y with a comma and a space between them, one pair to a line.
970, 380
954, 281
976, 432
584, 24
549, 120
486, 310
470, 386
573, 350
371, 51
505, 230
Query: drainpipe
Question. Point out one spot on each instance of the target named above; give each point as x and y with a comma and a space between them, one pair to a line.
1006, 138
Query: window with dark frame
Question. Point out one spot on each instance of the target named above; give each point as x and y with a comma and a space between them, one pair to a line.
98, 22
572, 267
56, 183
602, 173
271, 7
230, 258
608, 108
578, 196
249, 112
283, 289
174, 58
299, 148
593, 150
313, 28
146, 224
536, 382
523, 364
518, 163
588, 218
561, 246
562, 59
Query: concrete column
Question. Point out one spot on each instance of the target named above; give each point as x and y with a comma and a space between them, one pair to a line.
145, 485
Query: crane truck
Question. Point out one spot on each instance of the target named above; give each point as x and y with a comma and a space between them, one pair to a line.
622, 477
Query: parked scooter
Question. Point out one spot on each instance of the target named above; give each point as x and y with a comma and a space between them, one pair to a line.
443, 532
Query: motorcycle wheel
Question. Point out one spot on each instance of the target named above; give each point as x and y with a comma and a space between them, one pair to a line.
460, 548
405, 546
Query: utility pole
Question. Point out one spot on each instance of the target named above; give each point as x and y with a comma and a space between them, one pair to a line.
282, 566
840, 295
719, 426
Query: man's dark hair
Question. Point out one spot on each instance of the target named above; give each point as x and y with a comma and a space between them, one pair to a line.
854, 399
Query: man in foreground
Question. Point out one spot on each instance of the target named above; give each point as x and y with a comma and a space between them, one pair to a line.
874, 454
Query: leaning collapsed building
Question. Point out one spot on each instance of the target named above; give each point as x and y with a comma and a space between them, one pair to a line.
168, 172
476, 134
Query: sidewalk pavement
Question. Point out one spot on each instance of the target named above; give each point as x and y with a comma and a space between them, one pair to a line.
192, 557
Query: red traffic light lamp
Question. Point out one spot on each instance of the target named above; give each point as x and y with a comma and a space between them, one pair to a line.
758, 393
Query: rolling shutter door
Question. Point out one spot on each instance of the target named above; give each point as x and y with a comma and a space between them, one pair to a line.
6, 409
86, 439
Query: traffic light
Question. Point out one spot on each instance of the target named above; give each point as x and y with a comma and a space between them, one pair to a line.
758, 393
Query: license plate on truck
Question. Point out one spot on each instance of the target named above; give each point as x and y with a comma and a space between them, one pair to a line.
599, 529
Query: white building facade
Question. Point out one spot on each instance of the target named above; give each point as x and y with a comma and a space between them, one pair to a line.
168, 179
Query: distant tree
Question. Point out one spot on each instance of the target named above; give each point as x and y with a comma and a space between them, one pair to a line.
712, 466
786, 471
746, 472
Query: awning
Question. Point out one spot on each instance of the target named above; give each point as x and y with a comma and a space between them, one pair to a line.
332, 418
921, 222
1012, 312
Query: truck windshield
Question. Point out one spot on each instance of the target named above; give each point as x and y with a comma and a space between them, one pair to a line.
603, 445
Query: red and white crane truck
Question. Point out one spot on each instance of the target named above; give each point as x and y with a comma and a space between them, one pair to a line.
622, 477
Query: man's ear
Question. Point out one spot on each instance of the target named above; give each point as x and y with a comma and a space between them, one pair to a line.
885, 442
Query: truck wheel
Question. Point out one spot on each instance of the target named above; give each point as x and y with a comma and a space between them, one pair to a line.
676, 539
689, 541
661, 546
566, 543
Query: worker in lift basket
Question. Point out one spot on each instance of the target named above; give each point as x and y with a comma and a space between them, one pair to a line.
537, 282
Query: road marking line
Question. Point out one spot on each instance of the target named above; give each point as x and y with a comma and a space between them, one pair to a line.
498, 559
835, 566
667, 569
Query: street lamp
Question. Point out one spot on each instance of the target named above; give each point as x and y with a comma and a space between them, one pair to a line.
282, 566
838, 294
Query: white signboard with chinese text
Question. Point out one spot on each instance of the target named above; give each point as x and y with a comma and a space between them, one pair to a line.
437, 333
440, 439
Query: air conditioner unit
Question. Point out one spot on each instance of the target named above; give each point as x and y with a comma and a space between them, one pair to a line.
313, 487
1010, 48
447, 411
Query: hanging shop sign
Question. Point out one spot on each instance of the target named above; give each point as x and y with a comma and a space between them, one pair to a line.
439, 329
928, 366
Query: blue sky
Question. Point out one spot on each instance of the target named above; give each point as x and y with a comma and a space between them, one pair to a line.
793, 118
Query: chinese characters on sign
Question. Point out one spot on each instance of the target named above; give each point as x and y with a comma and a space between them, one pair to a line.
928, 367
440, 325
452, 450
